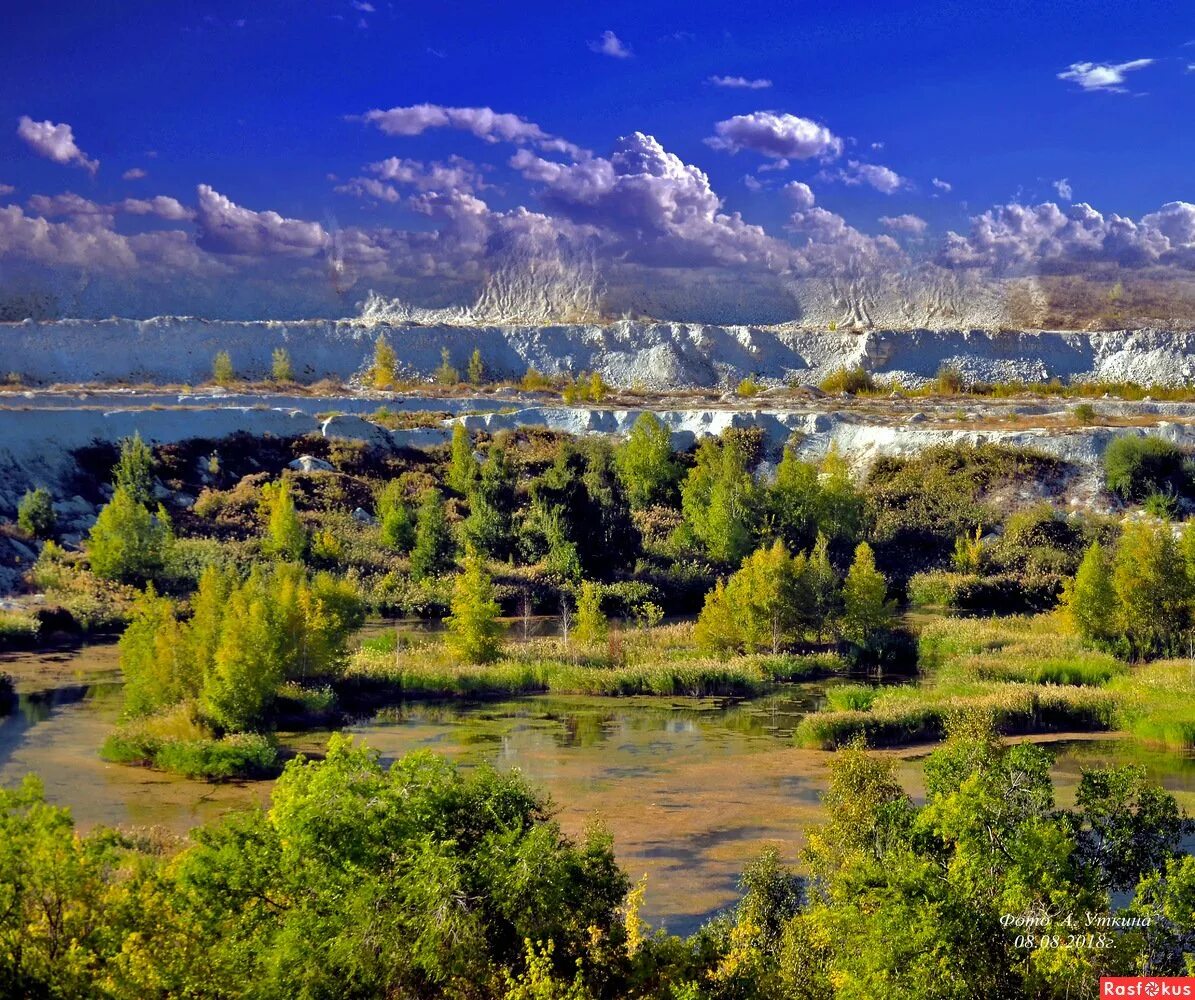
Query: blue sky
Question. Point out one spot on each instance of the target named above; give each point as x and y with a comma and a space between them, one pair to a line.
261, 103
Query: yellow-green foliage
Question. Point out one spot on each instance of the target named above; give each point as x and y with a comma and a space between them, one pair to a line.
127, 542
222, 370
853, 380
1137, 601
285, 536
590, 625
382, 371
473, 627
242, 640
281, 369
660, 661
776, 599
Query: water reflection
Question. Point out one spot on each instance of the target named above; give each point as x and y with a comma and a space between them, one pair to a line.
690, 788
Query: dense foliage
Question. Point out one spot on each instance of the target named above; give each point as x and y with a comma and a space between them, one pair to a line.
423, 881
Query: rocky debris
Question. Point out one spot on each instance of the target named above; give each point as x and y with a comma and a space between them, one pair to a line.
362, 516
308, 463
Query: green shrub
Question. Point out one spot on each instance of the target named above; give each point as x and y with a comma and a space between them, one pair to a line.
1135, 467
1084, 413
222, 370
281, 369
35, 513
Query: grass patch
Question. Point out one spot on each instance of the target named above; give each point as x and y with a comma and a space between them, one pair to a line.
650, 662
1156, 703
917, 715
1026, 672
175, 742
17, 628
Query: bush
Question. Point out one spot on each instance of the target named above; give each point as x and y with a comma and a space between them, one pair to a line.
35, 513
17, 627
1084, 413
747, 388
281, 369
854, 380
949, 381
1135, 467
222, 370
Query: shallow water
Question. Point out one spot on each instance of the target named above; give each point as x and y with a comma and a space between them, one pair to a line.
691, 789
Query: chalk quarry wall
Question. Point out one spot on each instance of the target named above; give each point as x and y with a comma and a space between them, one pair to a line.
653, 355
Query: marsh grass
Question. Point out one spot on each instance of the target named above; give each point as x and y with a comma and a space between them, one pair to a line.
1157, 703
177, 742
1027, 672
916, 715
661, 661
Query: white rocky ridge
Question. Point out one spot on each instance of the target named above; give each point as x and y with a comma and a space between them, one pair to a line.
652, 355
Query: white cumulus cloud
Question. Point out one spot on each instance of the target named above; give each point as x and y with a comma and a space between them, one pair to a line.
1102, 76
54, 142
910, 225
779, 136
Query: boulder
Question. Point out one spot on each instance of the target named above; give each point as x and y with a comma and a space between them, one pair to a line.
354, 428
308, 463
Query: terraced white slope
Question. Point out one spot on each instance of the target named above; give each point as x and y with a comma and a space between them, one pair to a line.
655, 355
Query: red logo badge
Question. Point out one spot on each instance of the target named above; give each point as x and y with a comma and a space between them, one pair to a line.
1148, 986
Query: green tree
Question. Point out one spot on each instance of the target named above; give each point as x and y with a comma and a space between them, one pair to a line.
135, 469
433, 551
866, 609
222, 370
473, 627
445, 374
203, 630
489, 526
62, 906
718, 629
462, 466
151, 656
476, 367
590, 624
646, 464
385, 363
1089, 598
765, 605
281, 369
395, 519
245, 670
127, 542
1149, 580
719, 500
285, 535
35, 513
